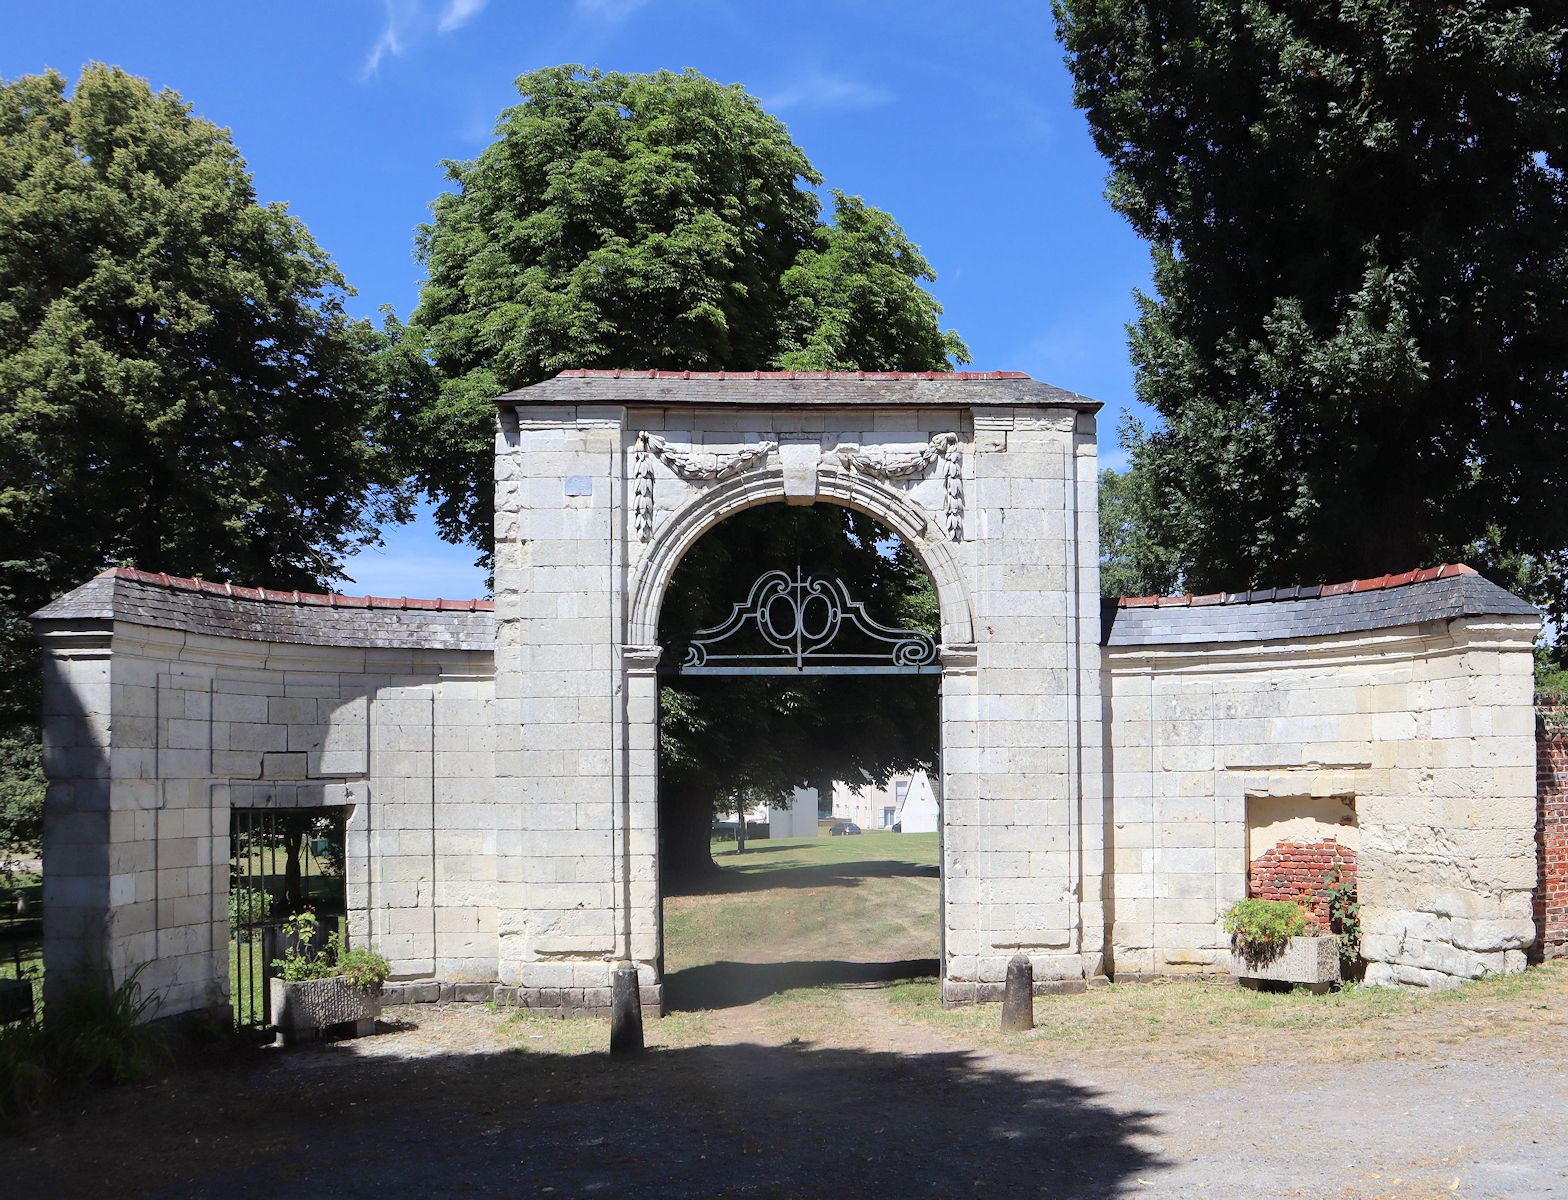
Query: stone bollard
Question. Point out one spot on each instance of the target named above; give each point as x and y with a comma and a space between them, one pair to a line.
625, 1012
1018, 998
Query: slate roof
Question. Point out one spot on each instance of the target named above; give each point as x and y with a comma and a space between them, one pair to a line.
268, 615
798, 389
1275, 614
328, 619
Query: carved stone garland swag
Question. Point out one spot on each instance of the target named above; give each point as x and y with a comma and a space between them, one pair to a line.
711, 467
943, 446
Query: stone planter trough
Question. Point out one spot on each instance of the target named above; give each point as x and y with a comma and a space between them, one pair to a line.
302, 1010
1313, 961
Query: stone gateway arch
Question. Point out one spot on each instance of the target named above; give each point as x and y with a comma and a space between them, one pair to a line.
1110, 771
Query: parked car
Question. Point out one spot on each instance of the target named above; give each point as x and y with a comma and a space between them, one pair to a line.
844, 830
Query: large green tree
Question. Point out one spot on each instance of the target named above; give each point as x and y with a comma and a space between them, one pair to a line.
655, 220
179, 386
1359, 222
1134, 559
668, 221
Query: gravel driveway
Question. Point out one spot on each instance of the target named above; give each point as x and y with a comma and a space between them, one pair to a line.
463, 1101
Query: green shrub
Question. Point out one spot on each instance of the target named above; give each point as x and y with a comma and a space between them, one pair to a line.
22, 788
25, 1082
1344, 917
248, 906
305, 959
99, 1033
91, 1033
1259, 929
364, 969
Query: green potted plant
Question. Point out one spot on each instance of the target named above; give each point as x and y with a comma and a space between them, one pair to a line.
1279, 941
320, 984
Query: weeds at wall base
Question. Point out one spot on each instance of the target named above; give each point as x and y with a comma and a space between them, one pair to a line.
92, 1033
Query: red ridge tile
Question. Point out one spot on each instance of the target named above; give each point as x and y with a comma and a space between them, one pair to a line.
1380, 582
235, 591
656, 373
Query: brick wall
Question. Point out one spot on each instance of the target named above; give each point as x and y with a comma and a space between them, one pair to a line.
1551, 827
1295, 871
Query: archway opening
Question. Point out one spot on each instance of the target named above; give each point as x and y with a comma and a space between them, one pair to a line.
799, 758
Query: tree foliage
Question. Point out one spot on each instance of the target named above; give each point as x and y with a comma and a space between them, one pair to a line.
724, 737
1359, 223
642, 221
1134, 558
667, 221
854, 296
179, 386
21, 797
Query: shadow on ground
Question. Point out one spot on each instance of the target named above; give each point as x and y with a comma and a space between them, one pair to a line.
734, 1120
732, 984
736, 878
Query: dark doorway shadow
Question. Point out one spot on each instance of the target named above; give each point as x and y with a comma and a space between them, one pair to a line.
726, 1120
732, 984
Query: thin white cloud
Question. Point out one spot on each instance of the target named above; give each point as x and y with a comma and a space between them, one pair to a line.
399, 17
406, 22
817, 89
459, 13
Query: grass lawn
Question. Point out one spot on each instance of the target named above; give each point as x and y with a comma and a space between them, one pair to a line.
1205, 1021
821, 905
862, 899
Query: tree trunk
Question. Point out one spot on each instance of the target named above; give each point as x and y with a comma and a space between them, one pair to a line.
294, 831
685, 835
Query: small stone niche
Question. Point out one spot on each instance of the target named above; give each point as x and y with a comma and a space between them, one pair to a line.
1294, 841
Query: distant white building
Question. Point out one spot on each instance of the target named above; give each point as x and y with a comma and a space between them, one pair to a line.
918, 811
798, 819
908, 801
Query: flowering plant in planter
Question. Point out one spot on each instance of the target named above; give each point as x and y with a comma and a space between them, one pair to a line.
362, 969
1280, 941
320, 984
1259, 929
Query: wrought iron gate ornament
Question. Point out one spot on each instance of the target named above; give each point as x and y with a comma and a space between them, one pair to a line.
801, 623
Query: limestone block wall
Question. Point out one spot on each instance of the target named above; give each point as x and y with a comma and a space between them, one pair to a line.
569, 897
1416, 707
603, 481
166, 706
1022, 853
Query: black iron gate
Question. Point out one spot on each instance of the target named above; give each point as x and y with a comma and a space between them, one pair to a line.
281, 861
21, 946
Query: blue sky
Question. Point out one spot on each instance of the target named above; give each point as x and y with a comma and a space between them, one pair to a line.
956, 118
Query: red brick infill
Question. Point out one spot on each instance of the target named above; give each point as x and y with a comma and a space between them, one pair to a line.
1551, 827
1295, 871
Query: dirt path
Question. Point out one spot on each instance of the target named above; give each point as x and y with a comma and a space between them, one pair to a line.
1459, 1116
807, 1073
468, 1102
